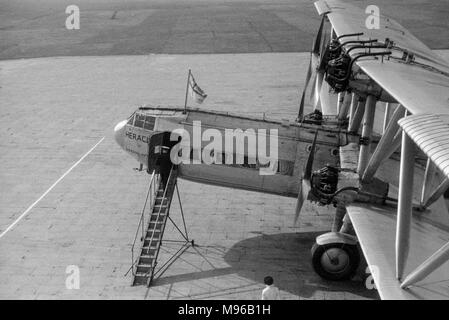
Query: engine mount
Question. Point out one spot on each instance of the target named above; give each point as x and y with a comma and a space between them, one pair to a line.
324, 185
337, 74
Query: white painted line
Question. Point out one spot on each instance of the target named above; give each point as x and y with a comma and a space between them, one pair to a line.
49, 189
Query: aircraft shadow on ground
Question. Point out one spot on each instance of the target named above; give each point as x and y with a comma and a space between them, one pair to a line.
285, 256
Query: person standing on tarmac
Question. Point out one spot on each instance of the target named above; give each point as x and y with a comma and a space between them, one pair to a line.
270, 292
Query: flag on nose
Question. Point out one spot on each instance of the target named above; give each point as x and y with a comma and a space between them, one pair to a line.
195, 91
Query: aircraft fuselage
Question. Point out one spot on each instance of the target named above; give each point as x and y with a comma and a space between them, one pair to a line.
293, 145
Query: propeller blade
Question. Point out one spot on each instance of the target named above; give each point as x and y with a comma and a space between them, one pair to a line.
327, 100
317, 89
320, 73
317, 42
302, 196
312, 92
309, 164
299, 203
309, 71
305, 186
323, 47
306, 84
301, 107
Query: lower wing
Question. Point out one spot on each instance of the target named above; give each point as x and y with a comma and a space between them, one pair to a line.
376, 230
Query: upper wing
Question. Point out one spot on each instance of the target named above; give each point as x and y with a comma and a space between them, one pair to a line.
376, 230
347, 19
421, 86
431, 135
417, 89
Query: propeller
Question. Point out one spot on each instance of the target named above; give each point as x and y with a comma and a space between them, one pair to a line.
317, 49
315, 71
319, 76
326, 103
317, 43
305, 185
308, 76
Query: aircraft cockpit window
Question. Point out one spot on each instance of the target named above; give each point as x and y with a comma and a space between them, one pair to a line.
140, 120
149, 123
131, 120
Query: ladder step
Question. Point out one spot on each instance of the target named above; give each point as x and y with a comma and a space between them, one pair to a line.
147, 250
146, 259
153, 246
151, 232
160, 200
157, 206
141, 278
159, 210
156, 240
154, 218
156, 237
144, 268
156, 226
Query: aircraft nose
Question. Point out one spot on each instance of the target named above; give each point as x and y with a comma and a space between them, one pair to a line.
119, 131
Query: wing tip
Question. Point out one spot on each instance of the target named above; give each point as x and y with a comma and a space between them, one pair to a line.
322, 7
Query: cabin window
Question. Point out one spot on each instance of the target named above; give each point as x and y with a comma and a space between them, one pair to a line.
140, 120
247, 162
286, 167
335, 152
149, 122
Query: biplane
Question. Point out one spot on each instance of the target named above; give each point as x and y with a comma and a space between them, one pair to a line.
387, 183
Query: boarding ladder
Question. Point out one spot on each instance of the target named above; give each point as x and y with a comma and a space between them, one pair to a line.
151, 228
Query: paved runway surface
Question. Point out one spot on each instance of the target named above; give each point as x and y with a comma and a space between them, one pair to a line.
54, 110
32, 28
57, 211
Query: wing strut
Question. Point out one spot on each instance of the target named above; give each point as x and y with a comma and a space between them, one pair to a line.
353, 107
404, 217
437, 193
383, 150
344, 106
354, 125
389, 107
422, 124
365, 139
428, 177
428, 266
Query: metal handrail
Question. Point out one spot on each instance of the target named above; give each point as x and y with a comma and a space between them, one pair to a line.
151, 191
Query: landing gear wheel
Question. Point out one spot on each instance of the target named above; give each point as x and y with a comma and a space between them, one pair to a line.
335, 261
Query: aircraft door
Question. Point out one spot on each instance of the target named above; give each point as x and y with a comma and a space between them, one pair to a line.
155, 144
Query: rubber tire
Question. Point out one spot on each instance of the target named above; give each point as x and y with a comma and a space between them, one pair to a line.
354, 261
